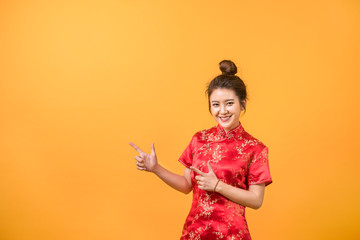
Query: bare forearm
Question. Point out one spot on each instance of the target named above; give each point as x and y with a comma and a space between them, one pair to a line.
247, 198
178, 182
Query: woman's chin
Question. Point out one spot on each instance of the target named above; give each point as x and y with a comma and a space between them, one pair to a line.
228, 126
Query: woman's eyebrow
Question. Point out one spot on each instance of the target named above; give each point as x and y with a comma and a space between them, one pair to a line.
227, 100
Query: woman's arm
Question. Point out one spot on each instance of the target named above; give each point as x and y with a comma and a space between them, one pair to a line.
252, 198
178, 182
148, 162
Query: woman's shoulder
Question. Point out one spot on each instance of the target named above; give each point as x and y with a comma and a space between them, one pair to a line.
253, 142
205, 133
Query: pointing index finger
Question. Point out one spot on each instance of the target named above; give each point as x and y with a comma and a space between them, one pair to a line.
136, 148
197, 171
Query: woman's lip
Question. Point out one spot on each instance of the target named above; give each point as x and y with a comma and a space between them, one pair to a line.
224, 119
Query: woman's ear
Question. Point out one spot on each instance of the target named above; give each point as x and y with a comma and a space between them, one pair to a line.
243, 105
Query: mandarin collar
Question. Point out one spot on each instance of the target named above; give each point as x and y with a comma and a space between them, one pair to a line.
232, 133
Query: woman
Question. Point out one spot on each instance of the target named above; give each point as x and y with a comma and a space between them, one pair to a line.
226, 168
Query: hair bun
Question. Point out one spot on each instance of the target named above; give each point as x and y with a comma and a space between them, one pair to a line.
227, 67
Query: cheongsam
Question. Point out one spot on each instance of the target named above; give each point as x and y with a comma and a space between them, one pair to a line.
238, 159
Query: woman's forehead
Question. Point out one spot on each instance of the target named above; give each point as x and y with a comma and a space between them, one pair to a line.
222, 94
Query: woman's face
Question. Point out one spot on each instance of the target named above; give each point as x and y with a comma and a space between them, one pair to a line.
225, 108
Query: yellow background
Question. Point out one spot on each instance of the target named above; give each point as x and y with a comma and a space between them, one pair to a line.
80, 79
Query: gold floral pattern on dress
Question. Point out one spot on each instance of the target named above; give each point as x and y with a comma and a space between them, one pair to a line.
217, 154
195, 235
206, 204
238, 159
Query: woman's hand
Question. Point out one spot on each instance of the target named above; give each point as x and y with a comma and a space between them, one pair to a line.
145, 162
206, 181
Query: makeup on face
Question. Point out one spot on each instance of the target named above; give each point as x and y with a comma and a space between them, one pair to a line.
225, 108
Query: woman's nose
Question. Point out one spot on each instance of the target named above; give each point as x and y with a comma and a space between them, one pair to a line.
223, 109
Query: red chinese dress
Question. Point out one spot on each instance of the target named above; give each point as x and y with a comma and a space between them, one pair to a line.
238, 159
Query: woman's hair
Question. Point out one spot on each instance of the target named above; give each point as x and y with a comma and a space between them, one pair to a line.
228, 80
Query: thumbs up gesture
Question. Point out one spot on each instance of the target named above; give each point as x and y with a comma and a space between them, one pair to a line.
145, 162
206, 181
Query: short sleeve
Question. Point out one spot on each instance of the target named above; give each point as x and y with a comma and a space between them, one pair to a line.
186, 157
259, 171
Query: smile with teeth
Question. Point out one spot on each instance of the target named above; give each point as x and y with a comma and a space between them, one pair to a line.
224, 118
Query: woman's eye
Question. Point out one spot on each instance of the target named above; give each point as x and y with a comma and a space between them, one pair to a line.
230, 103
215, 105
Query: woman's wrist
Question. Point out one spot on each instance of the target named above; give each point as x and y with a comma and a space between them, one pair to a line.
156, 169
220, 187
214, 190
